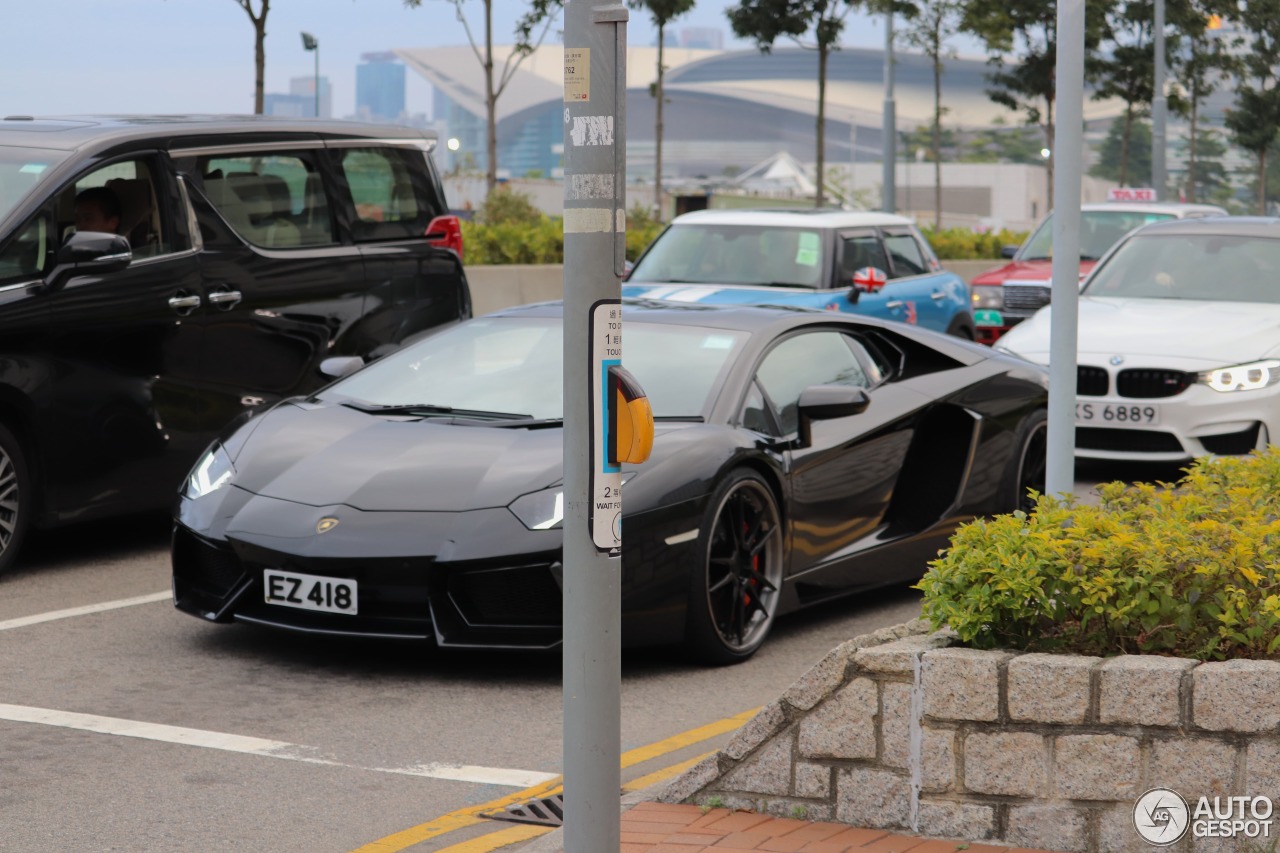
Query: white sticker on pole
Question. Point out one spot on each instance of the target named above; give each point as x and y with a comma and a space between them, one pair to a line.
605, 520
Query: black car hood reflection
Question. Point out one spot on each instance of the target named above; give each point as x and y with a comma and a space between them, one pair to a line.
325, 454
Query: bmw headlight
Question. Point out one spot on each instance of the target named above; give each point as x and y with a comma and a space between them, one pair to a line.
1243, 377
542, 510
987, 296
211, 473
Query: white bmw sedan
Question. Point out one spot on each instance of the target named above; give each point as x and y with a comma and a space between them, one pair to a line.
1179, 342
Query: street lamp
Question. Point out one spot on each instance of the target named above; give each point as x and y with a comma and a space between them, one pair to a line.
309, 42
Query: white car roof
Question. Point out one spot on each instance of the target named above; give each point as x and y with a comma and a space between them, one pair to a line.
796, 219
1178, 209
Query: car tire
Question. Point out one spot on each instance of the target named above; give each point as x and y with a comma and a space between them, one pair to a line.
961, 328
15, 498
1027, 465
736, 585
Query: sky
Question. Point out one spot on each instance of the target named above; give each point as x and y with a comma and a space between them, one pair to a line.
63, 57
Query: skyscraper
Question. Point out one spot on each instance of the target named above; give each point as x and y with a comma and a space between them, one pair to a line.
380, 87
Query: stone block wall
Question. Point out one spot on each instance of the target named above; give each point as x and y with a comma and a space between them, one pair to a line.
902, 730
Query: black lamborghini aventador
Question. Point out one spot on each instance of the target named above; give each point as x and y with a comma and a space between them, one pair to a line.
799, 456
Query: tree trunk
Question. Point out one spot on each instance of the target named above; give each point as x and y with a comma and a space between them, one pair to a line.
657, 131
1191, 152
1048, 164
1262, 182
1124, 145
490, 102
937, 137
820, 194
259, 58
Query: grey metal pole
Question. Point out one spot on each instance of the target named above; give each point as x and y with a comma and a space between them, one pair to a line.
888, 193
595, 50
317, 80
1068, 143
1159, 109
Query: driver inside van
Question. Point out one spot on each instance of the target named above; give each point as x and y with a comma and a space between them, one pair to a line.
97, 209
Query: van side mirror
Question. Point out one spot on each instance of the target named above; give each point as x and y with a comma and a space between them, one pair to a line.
827, 402
339, 366
89, 253
1008, 251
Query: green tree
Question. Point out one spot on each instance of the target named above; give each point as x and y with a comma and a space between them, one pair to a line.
662, 12
1209, 181
542, 14
1125, 155
1254, 120
934, 21
1208, 61
259, 20
1002, 144
766, 21
1028, 29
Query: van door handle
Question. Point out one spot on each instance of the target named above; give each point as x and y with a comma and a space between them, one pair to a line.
894, 305
184, 304
938, 296
225, 299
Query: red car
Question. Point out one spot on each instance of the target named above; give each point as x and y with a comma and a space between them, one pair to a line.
1004, 297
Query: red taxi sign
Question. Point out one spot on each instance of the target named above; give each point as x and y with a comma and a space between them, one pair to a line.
1131, 194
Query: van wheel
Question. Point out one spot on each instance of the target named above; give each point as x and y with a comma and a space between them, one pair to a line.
736, 585
15, 498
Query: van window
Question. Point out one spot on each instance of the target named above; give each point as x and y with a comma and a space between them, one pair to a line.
387, 186
130, 189
276, 200
28, 253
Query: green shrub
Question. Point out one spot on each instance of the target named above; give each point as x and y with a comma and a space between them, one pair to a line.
510, 230
1189, 569
957, 244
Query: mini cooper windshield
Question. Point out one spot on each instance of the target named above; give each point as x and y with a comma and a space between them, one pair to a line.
500, 368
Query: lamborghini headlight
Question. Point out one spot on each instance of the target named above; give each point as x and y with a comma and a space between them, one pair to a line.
542, 510
212, 472
1243, 377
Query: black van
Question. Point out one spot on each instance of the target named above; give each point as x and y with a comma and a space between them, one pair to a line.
247, 250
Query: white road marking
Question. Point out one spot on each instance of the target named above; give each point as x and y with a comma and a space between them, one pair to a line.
260, 746
53, 615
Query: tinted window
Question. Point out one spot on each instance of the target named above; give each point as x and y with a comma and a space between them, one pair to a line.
274, 200
126, 194
906, 255
28, 252
862, 250
1199, 266
734, 254
389, 188
815, 358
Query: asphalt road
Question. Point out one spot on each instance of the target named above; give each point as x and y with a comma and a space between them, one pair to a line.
137, 728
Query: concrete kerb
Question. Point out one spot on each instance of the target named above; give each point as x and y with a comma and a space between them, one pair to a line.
822, 679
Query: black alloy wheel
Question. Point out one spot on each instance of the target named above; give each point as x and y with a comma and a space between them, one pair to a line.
735, 595
15, 498
1031, 461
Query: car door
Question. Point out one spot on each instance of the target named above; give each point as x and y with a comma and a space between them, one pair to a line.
283, 285
932, 297
393, 196
120, 418
841, 481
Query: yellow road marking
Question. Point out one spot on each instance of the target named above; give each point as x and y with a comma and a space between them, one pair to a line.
497, 840
662, 775
470, 815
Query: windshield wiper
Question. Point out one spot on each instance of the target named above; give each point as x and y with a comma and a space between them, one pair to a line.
430, 409
1037, 258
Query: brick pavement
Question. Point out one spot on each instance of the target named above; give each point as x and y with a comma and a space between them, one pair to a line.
650, 827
